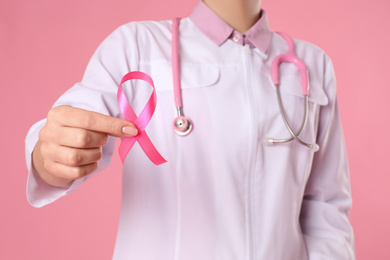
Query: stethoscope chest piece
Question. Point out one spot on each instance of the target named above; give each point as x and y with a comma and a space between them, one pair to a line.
182, 125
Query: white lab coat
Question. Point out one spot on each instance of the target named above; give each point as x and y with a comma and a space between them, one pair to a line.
222, 195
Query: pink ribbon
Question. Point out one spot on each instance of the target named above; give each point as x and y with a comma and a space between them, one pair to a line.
140, 122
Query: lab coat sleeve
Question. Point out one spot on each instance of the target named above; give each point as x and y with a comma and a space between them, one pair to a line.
327, 199
96, 92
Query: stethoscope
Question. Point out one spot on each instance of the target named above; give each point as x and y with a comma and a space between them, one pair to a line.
183, 125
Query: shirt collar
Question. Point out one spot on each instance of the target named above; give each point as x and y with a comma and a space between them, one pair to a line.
217, 30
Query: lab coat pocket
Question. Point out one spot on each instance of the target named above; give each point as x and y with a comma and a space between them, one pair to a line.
298, 157
191, 75
196, 82
291, 85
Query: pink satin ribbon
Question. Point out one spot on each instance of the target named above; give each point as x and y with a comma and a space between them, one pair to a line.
140, 122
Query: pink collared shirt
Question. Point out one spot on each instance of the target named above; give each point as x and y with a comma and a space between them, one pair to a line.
258, 36
222, 195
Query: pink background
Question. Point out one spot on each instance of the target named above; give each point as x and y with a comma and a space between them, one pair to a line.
45, 46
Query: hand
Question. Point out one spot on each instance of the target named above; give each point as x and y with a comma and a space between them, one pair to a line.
70, 144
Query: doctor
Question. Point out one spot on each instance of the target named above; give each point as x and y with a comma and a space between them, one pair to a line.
222, 194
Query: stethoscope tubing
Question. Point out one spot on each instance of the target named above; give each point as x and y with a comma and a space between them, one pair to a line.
304, 121
176, 65
181, 124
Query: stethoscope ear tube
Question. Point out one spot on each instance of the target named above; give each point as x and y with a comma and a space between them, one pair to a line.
270, 141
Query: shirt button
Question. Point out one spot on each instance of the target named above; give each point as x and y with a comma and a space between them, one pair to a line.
236, 38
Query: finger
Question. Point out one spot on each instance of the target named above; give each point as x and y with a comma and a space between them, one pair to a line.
77, 157
70, 173
73, 137
70, 156
80, 118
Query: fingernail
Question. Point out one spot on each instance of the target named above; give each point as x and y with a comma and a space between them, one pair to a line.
129, 130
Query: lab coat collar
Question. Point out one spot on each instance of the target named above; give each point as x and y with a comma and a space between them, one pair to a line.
217, 30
